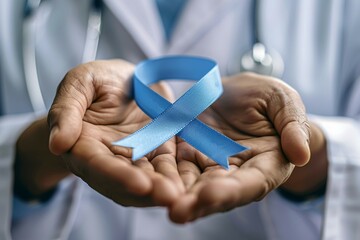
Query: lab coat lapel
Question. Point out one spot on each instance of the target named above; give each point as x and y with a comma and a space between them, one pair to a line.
197, 17
141, 19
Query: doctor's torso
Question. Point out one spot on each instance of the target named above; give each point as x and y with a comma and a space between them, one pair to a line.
222, 30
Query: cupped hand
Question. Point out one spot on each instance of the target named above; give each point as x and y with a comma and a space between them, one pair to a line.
93, 107
261, 113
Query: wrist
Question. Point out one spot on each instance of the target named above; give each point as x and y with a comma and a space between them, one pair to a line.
36, 170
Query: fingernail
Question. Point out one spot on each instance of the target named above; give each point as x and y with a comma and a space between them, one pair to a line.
53, 132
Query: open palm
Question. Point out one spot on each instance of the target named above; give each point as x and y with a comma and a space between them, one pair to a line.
261, 113
93, 108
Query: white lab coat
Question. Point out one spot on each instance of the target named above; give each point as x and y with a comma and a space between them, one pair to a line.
320, 44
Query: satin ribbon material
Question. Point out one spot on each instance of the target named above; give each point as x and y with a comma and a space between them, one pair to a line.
179, 118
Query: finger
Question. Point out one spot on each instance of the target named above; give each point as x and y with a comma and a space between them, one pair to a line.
185, 208
295, 144
182, 210
221, 194
189, 173
119, 182
164, 192
187, 163
224, 194
110, 175
74, 95
144, 164
162, 171
210, 173
167, 185
186, 152
165, 164
289, 117
117, 179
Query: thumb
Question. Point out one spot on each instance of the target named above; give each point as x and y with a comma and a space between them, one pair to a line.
288, 115
73, 97
295, 143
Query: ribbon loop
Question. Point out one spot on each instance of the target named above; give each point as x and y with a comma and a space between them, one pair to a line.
179, 118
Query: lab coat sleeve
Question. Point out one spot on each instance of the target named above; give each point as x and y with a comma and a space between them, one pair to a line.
342, 206
57, 214
10, 128
336, 215
341, 219
19, 219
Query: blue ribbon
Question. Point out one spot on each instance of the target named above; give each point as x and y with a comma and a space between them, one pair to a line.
179, 118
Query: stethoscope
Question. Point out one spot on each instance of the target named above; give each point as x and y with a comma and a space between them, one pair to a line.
35, 9
40, 9
259, 60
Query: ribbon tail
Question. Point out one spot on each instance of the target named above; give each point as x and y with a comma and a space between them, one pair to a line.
140, 145
221, 156
213, 144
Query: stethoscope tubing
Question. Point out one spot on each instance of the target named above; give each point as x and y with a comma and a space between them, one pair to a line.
29, 58
30, 27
